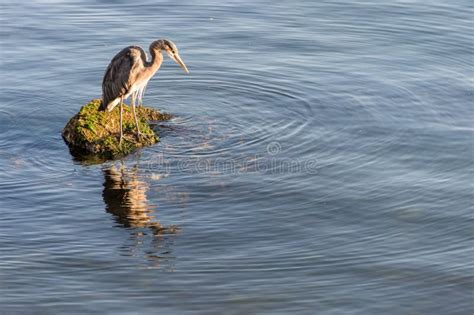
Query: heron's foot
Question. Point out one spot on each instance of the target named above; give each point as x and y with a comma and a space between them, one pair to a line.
122, 138
139, 135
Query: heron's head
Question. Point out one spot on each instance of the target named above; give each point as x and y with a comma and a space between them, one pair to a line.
171, 50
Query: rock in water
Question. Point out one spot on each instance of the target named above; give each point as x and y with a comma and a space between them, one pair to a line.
94, 132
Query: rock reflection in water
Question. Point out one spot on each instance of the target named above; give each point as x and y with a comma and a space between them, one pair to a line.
125, 197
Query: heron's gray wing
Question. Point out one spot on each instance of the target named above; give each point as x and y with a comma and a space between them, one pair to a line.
116, 82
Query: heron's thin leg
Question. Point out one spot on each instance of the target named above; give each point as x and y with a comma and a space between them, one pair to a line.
142, 92
121, 118
135, 115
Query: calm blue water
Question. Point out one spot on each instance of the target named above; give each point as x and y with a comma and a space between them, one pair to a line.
319, 161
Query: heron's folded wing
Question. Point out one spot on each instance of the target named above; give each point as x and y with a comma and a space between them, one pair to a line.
116, 78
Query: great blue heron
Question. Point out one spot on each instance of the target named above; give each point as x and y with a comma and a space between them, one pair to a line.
129, 72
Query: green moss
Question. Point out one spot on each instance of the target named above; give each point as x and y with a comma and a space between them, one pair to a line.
94, 132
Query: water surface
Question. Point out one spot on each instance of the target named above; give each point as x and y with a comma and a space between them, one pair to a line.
319, 161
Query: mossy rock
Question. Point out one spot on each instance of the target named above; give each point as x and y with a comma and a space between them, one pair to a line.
96, 133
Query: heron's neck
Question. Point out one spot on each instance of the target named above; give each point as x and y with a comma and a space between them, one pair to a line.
155, 63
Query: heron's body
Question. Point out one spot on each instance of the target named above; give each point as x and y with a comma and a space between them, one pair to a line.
128, 74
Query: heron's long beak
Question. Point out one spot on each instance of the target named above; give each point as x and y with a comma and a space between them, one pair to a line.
180, 62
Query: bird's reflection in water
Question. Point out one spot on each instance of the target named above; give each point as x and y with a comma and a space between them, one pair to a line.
125, 196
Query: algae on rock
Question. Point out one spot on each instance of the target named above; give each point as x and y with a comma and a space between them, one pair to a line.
96, 132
